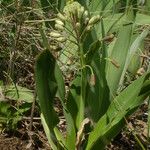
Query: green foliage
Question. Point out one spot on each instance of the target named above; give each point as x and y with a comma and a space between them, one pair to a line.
10, 115
14, 102
111, 123
119, 54
17, 93
51, 85
98, 100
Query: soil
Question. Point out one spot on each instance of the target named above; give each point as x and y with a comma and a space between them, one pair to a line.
23, 139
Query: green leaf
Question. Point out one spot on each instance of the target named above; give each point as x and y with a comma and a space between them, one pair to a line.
132, 51
61, 4
49, 81
142, 19
4, 108
48, 133
46, 87
70, 135
84, 3
18, 93
60, 137
98, 95
94, 48
69, 143
113, 121
112, 22
44, 38
60, 84
147, 4
96, 6
119, 53
73, 104
71, 131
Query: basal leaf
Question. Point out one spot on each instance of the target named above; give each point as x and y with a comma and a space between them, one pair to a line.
46, 87
113, 121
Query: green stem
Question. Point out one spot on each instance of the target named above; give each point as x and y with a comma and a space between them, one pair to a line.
83, 86
91, 70
139, 142
83, 72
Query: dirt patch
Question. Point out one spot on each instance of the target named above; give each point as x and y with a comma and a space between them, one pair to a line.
12, 143
23, 140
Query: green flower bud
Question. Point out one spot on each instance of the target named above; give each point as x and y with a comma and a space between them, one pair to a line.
55, 34
59, 27
86, 21
61, 39
94, 20
80, 12
89, 27
61, 17
72, 8
55, 48
85, 14
78, 25
92, 80
82, 9
59, 22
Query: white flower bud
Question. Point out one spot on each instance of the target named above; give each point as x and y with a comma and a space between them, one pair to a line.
59, 27
78, 25
85, 14
59, 22
86, 21
94, 20
80, 12
61, 39
55, 34
82, 9
61, 17
55, 48
89, 27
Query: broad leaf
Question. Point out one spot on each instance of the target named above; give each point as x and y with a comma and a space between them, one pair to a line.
119, 53
18, 93
73, 104
132, 51
46, 88
49, 82
98, 94
113, 121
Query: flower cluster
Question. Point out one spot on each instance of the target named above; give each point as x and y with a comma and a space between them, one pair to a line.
74, 20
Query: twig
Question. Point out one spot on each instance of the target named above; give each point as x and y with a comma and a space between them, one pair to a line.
32, 111
148, 135
29, 118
